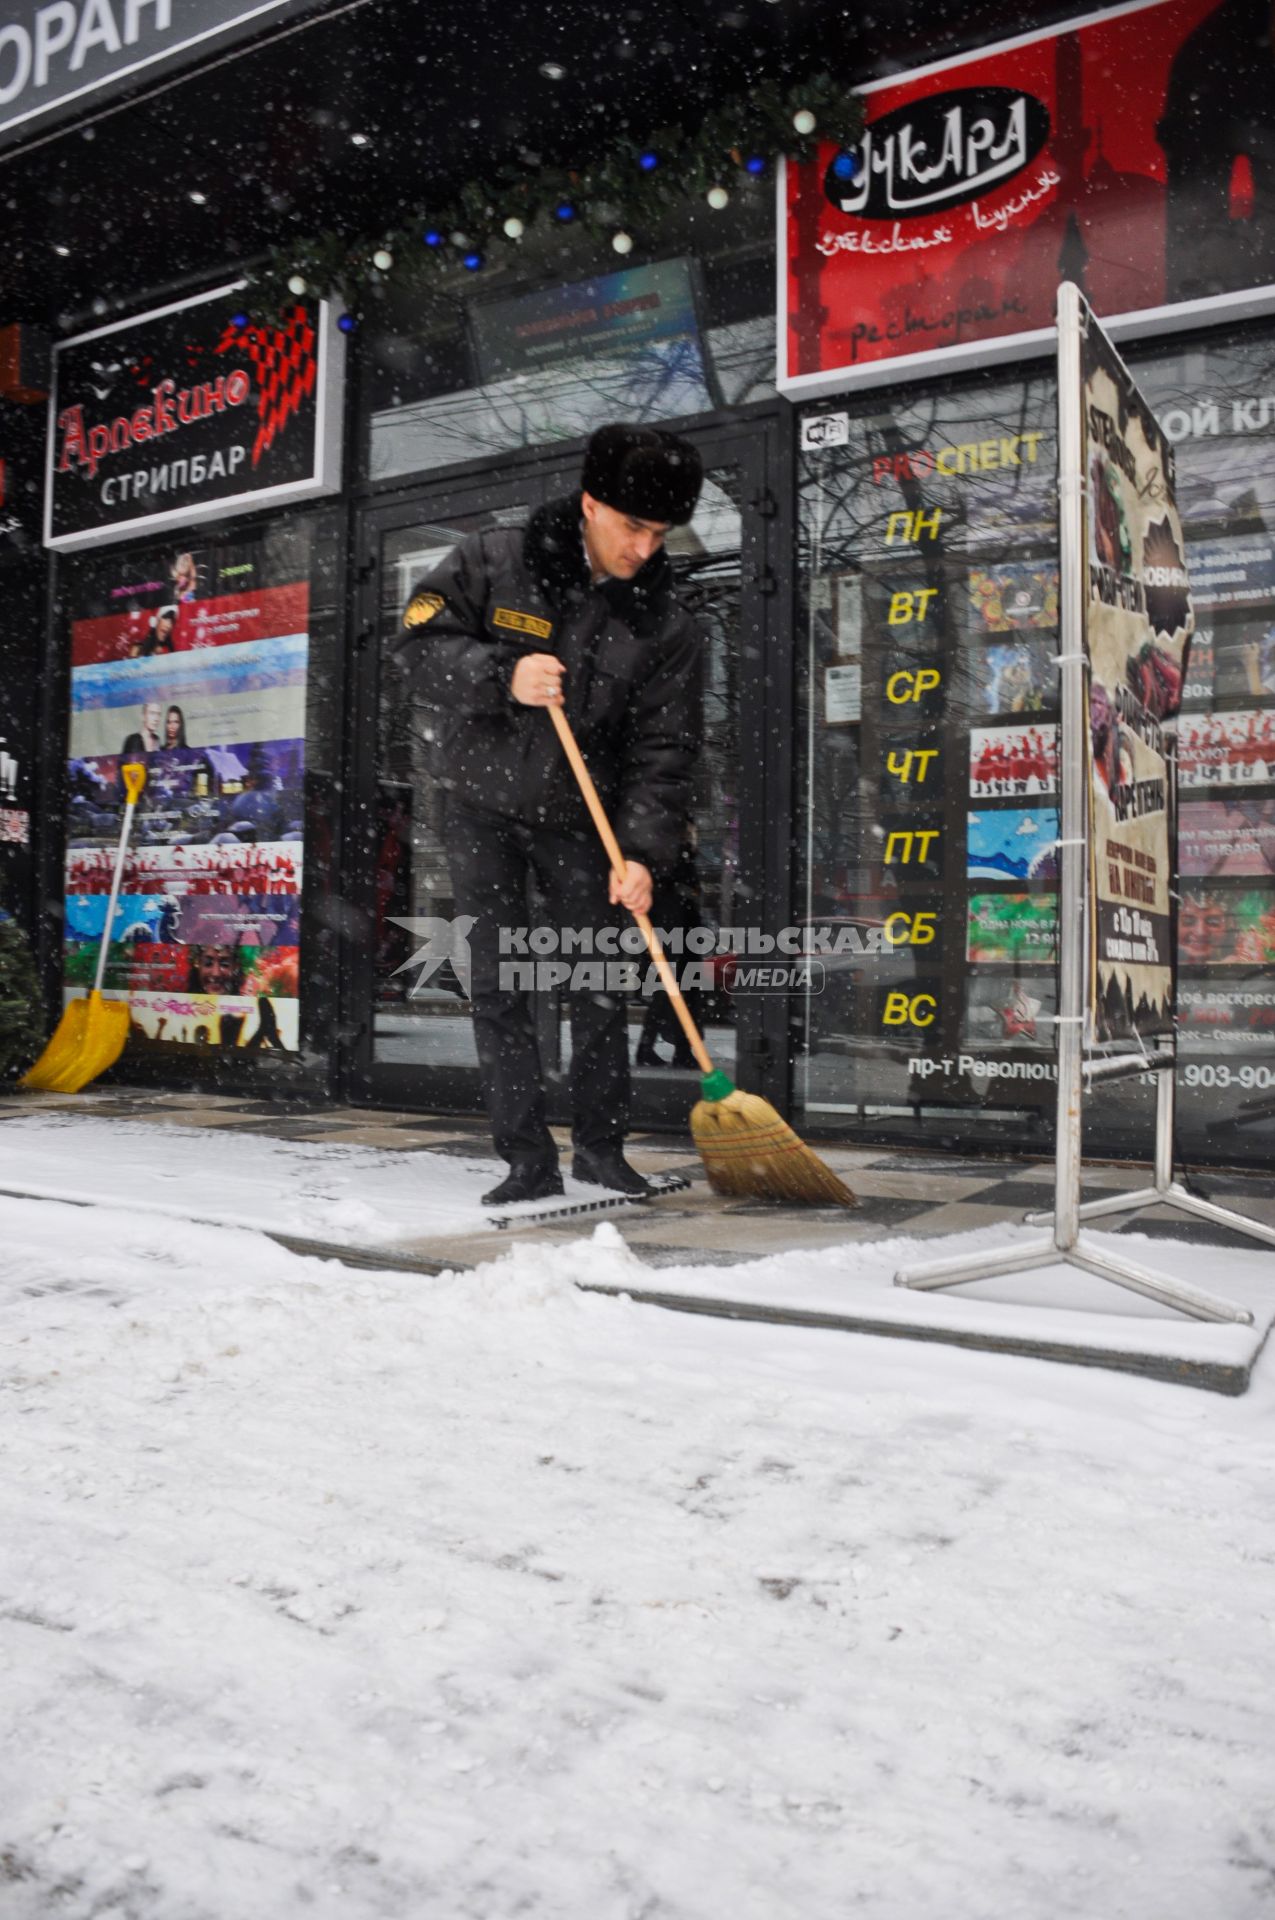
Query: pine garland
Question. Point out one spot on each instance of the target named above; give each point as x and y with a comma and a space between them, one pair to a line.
21, 1005
618, 197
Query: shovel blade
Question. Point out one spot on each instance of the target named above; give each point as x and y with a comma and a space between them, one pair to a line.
88, 1039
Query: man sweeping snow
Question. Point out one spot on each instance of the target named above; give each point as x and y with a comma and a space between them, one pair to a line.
577, 611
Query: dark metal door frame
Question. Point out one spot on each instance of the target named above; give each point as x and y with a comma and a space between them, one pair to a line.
753, 444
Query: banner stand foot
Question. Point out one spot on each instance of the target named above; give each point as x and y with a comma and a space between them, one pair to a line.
990, 1265
1173, 1195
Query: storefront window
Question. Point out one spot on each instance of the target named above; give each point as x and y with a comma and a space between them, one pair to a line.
927, 870
542, 359
928, 807
1217, 403
211, 661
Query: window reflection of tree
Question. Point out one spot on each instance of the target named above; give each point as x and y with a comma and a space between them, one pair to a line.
708, 582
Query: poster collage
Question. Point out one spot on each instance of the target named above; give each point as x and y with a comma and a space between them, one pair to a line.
936, 582
941, 591
193, 662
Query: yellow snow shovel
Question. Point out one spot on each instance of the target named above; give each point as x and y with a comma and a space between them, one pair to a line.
90, 1036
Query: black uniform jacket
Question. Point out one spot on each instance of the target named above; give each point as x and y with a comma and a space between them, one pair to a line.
632, 682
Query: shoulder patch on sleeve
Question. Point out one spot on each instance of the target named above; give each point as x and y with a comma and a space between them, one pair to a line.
522, 622
422, 607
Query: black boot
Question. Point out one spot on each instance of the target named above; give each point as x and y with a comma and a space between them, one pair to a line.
525, 1180
607, 1167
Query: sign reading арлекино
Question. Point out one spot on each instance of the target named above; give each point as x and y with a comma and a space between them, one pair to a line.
60, 58
1128, 151
192, 412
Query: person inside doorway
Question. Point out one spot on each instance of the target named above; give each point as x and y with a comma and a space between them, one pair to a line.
578, 612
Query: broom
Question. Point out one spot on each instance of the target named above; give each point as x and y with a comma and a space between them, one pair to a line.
747, 1149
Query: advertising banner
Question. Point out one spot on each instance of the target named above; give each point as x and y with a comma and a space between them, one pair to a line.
1014, 843
1233, 837
1008, 761
205, 940
190, 412
1012, 928
1138, 621
1229, 749
1230, 1017
1128, 151
644, 315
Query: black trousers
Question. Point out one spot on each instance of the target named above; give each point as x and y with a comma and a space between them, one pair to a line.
493, 862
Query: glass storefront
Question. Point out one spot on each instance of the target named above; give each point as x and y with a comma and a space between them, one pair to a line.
880, 770
927, 752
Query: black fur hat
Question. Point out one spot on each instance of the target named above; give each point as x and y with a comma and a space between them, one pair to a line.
644, 471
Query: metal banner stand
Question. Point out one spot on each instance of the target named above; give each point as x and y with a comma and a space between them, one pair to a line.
1067, 1246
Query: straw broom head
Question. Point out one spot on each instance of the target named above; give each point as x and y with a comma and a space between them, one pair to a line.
749, 1152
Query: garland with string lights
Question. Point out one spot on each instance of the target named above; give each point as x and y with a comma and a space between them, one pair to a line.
617, 196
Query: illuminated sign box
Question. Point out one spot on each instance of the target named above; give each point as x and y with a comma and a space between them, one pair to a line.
1127, 151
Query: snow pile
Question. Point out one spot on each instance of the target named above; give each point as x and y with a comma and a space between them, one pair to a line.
334, 1594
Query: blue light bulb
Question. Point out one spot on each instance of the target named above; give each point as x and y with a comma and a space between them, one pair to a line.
565, 211
648, 162
432, 237
239, 320
755, 164
347, 323
845, 166
473, 261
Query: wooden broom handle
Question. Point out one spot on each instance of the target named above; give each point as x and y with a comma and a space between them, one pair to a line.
562, 727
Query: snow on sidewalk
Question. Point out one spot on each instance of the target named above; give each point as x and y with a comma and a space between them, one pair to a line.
333, 1594
338, 1192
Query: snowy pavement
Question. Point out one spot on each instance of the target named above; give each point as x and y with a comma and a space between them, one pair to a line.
340, 1193
333, 1594
423, 1209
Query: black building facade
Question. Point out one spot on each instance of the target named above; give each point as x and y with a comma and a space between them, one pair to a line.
287, 912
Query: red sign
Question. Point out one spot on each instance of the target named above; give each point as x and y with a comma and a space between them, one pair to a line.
179, 626
1129, 152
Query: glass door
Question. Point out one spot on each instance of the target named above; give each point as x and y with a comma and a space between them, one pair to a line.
409, 1040
406, 1026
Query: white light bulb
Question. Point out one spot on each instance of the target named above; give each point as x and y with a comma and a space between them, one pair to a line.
803, 120
718, 198
383, 259
514, 227
296, 284
622, 242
